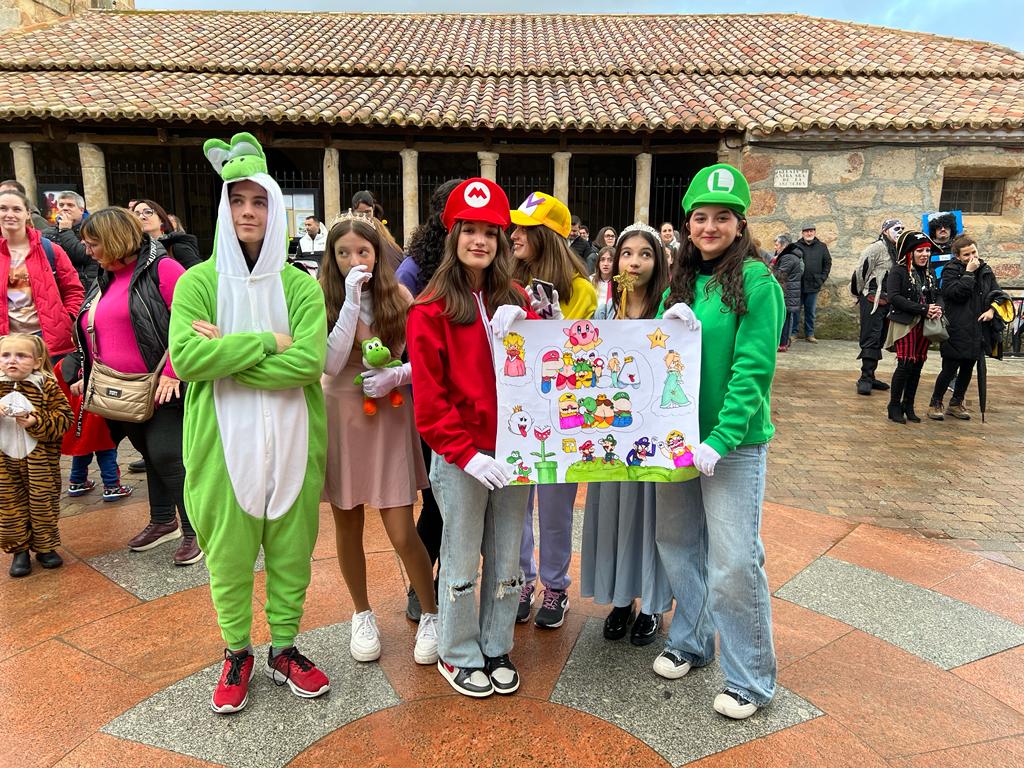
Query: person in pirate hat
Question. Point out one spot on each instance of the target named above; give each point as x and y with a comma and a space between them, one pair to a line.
249, 334
868, 284
913, 295
720, 284
470, 300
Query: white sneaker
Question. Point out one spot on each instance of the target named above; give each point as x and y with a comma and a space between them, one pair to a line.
734, 706
671, 665
365, 645
425, 651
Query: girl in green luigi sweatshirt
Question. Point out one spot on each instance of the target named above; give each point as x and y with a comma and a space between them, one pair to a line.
708, 530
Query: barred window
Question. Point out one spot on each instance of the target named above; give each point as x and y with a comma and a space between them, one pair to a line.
972, 195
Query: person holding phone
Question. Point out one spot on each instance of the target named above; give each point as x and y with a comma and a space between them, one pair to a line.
559, 288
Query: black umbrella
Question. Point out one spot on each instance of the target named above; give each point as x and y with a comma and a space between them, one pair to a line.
982, 384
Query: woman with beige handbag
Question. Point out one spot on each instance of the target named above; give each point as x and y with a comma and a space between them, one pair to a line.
127, 376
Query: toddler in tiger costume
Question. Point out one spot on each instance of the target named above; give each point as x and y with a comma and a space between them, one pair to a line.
34, 415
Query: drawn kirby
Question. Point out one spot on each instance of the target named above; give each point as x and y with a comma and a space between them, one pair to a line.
583, 335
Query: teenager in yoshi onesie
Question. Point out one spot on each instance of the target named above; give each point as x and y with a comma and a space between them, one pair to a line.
249, 334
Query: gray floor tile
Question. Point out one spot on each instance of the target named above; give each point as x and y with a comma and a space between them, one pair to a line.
936, 628
276, 725
614, 681
152, 574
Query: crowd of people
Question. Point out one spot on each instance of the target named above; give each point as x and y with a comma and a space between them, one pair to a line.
269, 392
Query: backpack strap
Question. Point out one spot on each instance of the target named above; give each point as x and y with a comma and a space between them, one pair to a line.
50, 257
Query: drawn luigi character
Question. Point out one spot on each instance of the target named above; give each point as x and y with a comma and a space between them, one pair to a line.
623, 410
608, 443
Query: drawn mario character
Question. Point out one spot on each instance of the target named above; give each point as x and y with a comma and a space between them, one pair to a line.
642, 450
675, 448
550, 363
604, 412
623, 410
569, 412
587, 450
566, 377
608, 443
629, 376
521, 472
515, 365
583, 335
519, 422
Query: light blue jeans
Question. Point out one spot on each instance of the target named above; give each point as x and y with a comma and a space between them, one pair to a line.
709, 537
476, 522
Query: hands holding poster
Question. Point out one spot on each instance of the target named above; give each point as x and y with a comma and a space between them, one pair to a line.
598, 401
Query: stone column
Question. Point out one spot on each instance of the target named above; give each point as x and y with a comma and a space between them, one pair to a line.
488, 165
410, 192
642, 196
561, 190
25, 167
94, 177
332, 186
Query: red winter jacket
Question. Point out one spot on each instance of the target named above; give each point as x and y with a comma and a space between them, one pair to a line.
56, 301
454, 390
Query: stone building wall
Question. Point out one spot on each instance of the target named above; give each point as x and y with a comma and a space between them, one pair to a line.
24, 13
851, 192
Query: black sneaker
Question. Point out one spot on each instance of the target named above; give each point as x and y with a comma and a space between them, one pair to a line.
137, 466
671, 665
526, 598
503, 674
617, 623
413, 610
469, 682
645, 629
552, 611
733, 705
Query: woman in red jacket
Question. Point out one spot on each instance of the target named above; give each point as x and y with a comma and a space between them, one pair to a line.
39, 298
455, 400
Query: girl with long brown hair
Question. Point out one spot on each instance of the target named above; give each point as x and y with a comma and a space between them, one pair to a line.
470, 298
373, 453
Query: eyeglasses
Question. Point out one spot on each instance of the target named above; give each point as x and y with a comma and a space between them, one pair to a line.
145, 213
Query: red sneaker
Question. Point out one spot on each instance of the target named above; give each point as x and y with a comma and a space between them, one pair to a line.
232, 691
300, 673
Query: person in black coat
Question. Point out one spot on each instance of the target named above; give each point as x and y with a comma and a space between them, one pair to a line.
817, 266
180, 246
788, 267
913, 296
967, 282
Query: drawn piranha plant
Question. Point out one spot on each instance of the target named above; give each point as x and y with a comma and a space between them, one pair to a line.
547, 470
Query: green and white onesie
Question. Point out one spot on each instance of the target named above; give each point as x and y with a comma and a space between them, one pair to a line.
254, 441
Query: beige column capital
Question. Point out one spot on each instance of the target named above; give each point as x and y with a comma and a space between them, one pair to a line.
410, 192
488, 165
25, 167
94, 176
561, 190
642, 195
332, 185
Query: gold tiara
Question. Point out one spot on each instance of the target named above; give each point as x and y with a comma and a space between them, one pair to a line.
351, 215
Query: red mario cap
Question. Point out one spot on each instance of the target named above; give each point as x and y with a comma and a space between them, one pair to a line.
477, 200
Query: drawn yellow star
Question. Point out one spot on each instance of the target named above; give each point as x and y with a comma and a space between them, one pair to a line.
657, 339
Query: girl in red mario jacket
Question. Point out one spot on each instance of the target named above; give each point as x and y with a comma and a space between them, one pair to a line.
470, 299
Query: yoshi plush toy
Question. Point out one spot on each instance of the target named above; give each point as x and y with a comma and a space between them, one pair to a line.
376, 356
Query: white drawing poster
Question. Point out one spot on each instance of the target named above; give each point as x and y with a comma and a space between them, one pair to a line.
598, 401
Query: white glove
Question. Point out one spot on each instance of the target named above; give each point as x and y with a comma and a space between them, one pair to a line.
503, 318
357, 276
489, 472
377, 382
548, 309
682, 312
705, 457
342, 337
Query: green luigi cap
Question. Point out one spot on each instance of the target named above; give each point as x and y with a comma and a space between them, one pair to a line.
719, 184
620, 396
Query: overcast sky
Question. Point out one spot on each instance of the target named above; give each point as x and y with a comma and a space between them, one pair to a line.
990, 20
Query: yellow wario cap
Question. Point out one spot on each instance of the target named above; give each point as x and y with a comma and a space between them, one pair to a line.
542, 209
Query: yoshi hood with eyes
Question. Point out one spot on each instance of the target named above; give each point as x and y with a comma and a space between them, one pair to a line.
254, 302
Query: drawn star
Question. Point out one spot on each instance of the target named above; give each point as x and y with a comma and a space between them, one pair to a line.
657, 339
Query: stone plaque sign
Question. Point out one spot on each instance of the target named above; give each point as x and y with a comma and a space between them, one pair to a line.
791, 178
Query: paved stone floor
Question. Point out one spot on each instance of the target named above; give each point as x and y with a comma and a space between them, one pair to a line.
895, 648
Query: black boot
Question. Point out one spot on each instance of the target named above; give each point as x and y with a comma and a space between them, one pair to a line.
899, 380
863, 386
50, 559
910, 392
21, 565
867, 371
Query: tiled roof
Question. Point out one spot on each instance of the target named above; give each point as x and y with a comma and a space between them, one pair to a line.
549, 73
434, 44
